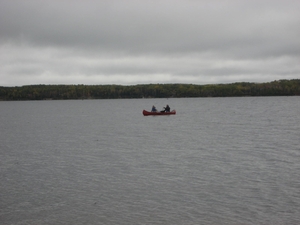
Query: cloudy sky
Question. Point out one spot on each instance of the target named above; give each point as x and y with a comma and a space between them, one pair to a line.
148, 41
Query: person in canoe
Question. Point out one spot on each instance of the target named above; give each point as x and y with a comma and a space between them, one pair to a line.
166, 109
153, 109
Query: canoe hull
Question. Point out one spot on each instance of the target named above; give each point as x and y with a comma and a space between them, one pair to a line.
147, 113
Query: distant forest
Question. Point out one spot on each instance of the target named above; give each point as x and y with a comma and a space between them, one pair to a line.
57, 92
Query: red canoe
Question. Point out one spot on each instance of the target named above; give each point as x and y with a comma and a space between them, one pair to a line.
147, 113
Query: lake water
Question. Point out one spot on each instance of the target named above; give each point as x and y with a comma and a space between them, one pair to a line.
217, 161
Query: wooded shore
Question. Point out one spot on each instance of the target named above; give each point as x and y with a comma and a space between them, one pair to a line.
59, 92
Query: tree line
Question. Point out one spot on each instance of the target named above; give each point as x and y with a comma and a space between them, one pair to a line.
58, 92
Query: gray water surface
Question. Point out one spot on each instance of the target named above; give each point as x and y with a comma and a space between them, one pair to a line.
217, 161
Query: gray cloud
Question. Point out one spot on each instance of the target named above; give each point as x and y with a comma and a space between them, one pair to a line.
129, 42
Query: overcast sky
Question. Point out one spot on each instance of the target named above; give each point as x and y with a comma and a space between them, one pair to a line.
132, 42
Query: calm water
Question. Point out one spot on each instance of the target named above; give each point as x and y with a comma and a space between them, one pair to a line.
218, 161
